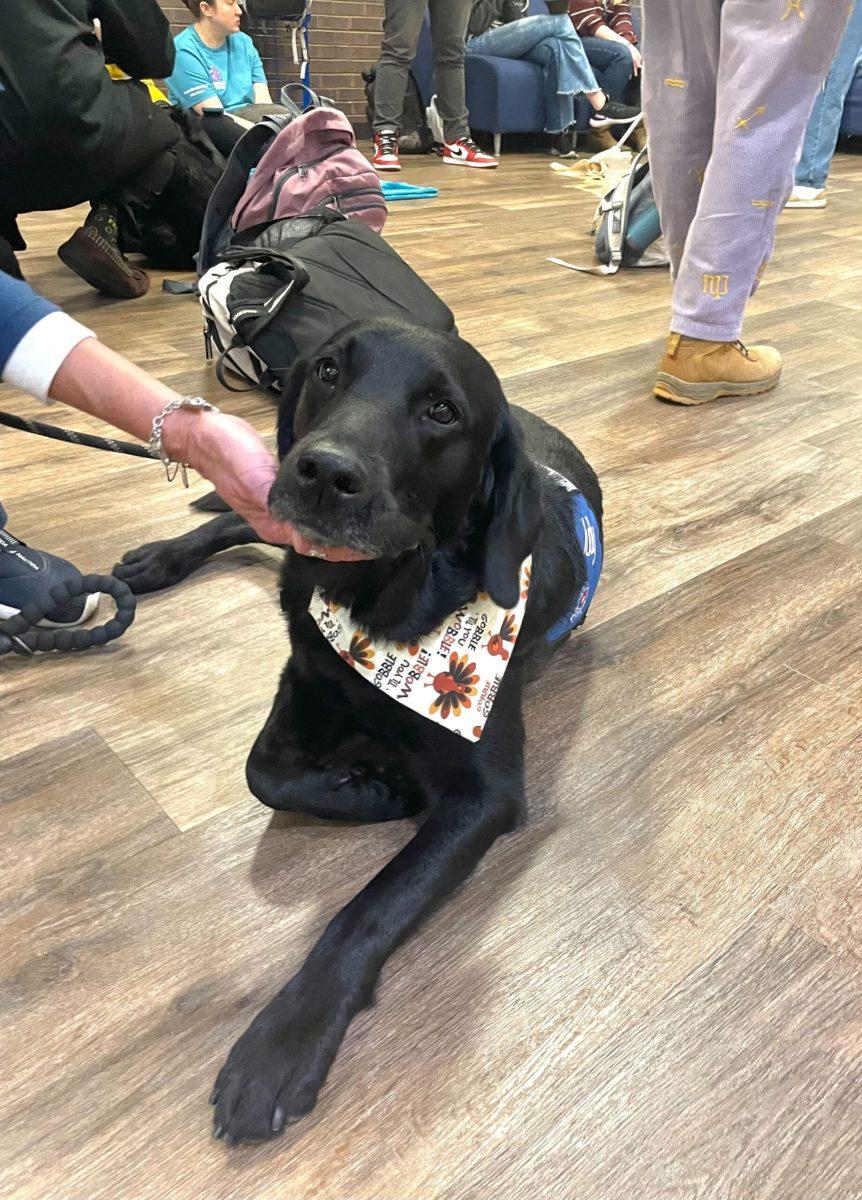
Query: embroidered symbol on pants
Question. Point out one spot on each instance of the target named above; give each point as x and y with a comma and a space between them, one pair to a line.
763, 204
677, 83
794, 6
744, 122
715, 285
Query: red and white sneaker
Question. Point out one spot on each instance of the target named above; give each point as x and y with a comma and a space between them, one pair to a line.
465, 153
385, 156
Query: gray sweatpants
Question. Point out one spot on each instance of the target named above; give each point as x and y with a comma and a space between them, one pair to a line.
402, 21
728, 88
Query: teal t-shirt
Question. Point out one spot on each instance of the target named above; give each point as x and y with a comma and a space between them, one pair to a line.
228, 73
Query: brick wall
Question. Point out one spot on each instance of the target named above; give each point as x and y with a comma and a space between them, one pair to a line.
345, 38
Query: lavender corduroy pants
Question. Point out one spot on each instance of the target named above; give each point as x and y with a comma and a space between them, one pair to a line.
728, 88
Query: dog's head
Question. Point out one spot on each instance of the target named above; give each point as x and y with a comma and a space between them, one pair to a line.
393, 436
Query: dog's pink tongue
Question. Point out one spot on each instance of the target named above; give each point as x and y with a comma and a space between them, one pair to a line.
310, 549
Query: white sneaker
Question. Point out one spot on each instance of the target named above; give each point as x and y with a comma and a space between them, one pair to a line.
807, 197
465, 153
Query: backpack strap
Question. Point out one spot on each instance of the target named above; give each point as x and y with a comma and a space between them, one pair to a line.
224, 360
293, 275
309, 98
616, 208
245, 155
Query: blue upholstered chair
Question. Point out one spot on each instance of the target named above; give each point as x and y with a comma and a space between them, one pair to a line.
503, 95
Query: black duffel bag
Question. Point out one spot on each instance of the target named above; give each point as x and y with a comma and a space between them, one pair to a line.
284, 291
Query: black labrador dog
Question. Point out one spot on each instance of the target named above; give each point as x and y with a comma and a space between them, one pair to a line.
398, 443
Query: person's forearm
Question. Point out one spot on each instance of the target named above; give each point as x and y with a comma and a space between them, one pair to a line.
608, 35
96, 380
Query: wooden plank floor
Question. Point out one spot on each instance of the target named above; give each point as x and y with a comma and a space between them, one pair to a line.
654, 990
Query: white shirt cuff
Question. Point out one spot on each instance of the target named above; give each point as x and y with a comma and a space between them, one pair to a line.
41, 352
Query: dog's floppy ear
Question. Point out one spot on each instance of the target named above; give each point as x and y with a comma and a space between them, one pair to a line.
292, 382
516, 506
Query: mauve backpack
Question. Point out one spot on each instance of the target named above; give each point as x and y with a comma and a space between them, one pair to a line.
312, 162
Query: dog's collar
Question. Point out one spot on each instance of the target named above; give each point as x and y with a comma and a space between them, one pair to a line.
464, 659
452, 675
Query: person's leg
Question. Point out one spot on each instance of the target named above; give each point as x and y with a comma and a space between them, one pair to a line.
821, 133
762, 104
552, 43
448, 32
612, 65
96, 252
402, 22
681, 41
222, 132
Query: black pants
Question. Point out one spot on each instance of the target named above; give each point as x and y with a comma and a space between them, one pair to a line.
225, 133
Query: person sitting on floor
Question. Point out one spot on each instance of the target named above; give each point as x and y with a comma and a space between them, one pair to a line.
610, 42
218, 72
502, 29
69, 133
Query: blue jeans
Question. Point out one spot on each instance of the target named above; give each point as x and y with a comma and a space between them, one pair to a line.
821, 133
552, 43
612, 63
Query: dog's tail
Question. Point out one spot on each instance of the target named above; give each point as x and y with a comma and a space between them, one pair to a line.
211, 502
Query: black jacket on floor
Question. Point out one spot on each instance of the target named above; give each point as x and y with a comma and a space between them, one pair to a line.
68, 133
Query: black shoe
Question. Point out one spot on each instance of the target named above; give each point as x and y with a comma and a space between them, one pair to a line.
27, 575
614, 113
563, 144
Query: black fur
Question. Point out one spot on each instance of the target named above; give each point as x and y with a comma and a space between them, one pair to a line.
443, 510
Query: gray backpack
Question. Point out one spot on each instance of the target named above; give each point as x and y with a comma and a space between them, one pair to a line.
627, 226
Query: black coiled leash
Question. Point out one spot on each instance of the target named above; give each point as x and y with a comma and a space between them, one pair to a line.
20, 635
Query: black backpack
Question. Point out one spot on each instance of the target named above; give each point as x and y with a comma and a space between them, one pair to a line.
291, 11
415, 136
278, 293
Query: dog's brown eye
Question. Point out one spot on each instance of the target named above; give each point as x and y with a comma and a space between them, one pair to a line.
327, 370
442, 413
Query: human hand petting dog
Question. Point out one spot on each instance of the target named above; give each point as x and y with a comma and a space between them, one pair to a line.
224, 449
231, 455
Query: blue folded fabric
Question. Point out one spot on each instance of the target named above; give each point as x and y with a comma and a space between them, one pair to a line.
395, 190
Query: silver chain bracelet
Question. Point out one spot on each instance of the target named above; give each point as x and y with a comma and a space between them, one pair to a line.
155, 443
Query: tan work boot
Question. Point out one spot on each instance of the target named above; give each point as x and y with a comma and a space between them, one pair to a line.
694, 371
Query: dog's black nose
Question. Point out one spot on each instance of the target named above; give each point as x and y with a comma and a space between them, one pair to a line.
333, 474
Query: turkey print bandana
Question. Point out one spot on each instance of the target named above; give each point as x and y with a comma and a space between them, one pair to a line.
452, 675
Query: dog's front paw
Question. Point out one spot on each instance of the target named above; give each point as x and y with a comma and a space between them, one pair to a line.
276, 1069
153, 566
